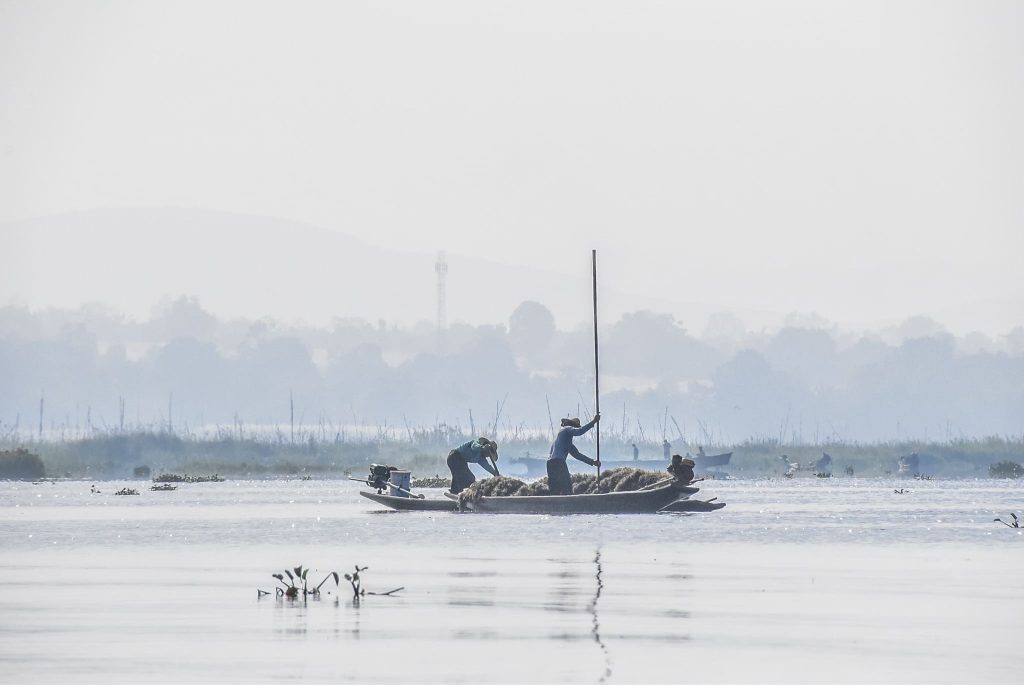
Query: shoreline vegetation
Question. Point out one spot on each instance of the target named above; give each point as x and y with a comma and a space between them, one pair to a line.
121, 456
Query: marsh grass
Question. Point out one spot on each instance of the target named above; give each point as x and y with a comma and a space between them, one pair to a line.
424, 451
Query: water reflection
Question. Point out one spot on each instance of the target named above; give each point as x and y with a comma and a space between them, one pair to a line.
593, 610
471, 596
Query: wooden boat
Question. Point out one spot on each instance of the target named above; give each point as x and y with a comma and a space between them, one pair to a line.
411, 503
631, 502
707, 461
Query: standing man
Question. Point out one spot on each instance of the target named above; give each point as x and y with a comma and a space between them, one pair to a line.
480, 451
562, 447
636, 452
666, 448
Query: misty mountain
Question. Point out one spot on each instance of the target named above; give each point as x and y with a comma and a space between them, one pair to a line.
255, 266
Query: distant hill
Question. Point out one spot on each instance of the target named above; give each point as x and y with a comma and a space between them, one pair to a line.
255, 266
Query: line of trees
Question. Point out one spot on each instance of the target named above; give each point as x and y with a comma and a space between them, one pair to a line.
90, 370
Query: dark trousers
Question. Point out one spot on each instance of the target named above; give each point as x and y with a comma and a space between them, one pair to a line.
462, 477
558, 477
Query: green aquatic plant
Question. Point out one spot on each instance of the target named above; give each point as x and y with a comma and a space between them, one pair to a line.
357, 585
1015, 524
298, 582
294, 583
354, 580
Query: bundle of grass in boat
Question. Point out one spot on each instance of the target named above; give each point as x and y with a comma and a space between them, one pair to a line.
537, 487
617, 480
498, 486
623, 479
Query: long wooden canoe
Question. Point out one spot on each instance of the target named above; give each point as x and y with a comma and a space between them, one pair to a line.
411, 503
632, 502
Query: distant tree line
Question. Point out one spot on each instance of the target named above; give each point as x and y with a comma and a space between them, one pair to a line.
70, 373
20, 464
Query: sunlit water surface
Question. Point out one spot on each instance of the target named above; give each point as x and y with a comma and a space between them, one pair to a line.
841, 580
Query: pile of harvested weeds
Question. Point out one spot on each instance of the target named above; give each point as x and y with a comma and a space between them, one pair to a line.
617, 480
624, 479
498, 486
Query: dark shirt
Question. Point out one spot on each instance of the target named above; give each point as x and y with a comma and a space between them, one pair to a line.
681, 472
473, 453
562, 447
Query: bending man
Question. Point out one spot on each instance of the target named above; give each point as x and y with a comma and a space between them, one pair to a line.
682, 469
480, 451
562, 447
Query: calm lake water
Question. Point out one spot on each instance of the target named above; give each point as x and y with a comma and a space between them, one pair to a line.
809, 581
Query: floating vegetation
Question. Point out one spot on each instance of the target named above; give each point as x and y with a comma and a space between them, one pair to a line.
357, 585
1006, 469
1015, 524
127, 491
297, 584
435, 482
164, 487
176, 478
20, 464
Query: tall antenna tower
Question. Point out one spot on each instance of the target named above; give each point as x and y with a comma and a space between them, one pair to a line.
441, 269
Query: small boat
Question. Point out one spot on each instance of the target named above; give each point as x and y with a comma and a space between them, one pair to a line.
631, 502
411, 503
707, 461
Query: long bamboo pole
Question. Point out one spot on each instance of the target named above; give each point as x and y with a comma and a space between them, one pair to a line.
597, 374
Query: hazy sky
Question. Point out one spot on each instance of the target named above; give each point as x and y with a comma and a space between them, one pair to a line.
861, 160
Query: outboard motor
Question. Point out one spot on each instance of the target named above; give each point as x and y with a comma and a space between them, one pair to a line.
379, 476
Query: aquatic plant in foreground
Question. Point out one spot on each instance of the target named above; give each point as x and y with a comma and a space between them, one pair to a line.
1015, 524
291, 590
298, 582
